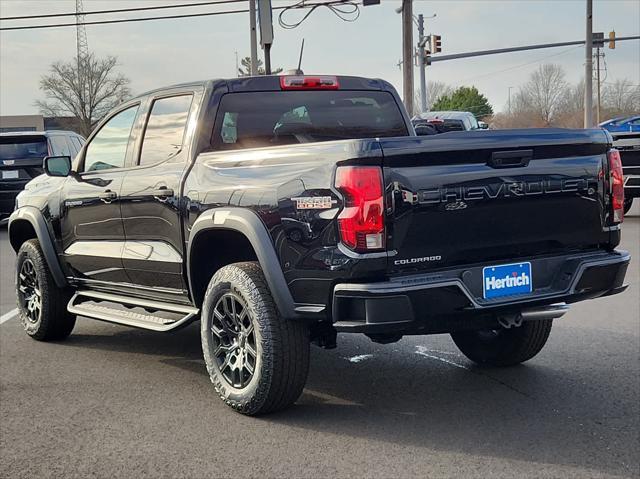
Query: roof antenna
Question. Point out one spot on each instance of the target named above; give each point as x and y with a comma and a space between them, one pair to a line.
300, 72
297, 71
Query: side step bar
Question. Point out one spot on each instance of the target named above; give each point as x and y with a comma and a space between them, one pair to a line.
144, 320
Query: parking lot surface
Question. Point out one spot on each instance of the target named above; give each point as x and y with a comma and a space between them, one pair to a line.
117, 402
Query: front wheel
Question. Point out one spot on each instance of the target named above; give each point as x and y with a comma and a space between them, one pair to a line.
504, 347
628, 203
42, 306
257, 360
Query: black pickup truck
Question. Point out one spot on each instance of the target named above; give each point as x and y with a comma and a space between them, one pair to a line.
282, 210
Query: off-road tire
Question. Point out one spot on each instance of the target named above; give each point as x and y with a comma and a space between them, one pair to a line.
53, 321
504, 347
282, 346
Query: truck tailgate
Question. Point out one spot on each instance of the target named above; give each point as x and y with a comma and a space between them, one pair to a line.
493, 196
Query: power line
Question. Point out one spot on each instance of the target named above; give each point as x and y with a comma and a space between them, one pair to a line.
120, 10
126, 20
123, 20
144, 19
350, 14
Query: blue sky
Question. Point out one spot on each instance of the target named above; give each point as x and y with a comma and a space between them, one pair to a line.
154, 54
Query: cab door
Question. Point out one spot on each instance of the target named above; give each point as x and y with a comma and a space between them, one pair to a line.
151, 196
92, 233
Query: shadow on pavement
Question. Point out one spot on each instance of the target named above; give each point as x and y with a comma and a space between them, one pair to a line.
557, 411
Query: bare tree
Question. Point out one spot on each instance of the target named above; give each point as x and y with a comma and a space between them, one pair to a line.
571, 107
621, 97
435, 91
86, 90
543, 92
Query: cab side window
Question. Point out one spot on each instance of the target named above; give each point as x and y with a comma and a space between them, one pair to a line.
108, 149
59, 146
164, 133
76, 141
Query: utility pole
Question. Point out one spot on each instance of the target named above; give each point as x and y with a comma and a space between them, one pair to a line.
407, 54
588, 68
423, 80
254, 37
598, 84
265, 21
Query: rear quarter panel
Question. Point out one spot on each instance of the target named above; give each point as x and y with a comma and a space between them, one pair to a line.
266, 181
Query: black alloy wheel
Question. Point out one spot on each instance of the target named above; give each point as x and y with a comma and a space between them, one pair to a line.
234, 340
30, 294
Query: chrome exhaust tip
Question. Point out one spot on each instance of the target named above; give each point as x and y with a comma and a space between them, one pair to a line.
552, 311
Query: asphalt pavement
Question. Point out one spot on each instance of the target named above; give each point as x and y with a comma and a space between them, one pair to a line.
117, 402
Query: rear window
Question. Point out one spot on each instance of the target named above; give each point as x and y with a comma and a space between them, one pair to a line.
258, 119
22, 147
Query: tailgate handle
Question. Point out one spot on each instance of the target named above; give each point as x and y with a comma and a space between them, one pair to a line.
510, 159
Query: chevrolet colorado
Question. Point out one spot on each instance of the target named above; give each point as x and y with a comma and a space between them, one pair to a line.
282, 210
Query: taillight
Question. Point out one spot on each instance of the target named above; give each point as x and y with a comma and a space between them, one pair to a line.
361, 222
616, 185
299, 82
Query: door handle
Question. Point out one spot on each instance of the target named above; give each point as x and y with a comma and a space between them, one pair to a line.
108, 196
162, 193
510, 159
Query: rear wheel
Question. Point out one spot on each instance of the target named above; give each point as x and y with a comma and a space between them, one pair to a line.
628, 203
257, 360
42, 306
504, 347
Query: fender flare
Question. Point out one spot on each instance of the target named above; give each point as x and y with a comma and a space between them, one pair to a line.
39, 224
248, 224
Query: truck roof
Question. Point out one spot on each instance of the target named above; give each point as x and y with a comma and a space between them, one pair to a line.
38, 133
272, 83
444, 115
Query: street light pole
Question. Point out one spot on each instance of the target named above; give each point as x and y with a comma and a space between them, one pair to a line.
588, 68
407, 54
423, 81
254, 37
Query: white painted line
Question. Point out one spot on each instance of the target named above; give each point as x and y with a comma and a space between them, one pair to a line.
359, 358
421, 350
7, 316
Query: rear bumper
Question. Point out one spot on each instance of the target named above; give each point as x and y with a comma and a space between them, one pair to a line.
452, 299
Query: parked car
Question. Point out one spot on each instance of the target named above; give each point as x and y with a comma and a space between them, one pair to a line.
182, 204
21, 155
620, 125
444, 121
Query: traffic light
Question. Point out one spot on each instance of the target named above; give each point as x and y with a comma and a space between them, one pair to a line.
612, 40
436, 44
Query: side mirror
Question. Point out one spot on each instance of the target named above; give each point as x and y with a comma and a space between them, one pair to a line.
57, 165
425, 130
483, 126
